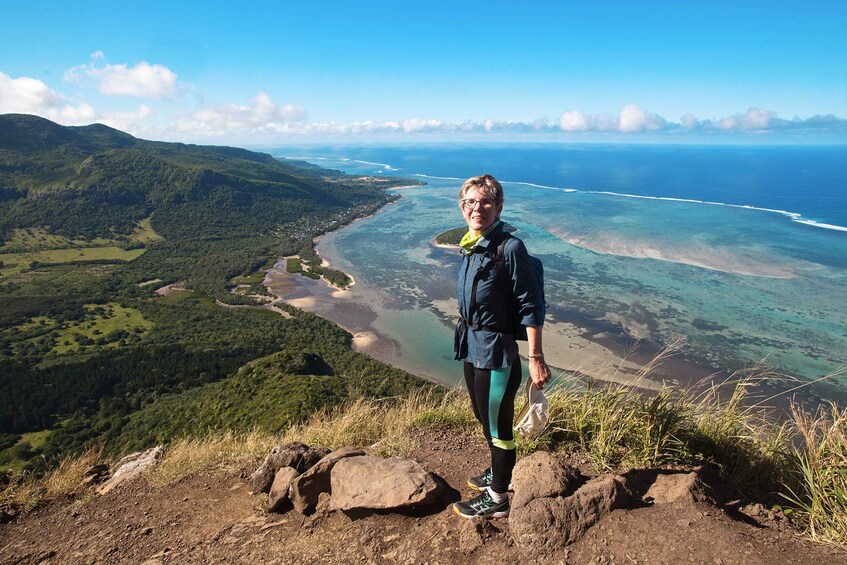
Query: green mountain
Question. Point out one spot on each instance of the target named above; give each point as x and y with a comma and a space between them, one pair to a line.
95, 181
93, 221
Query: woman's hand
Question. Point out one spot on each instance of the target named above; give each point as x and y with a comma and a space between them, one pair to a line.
539, 372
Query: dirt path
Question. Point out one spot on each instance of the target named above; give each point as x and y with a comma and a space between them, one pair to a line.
205, 519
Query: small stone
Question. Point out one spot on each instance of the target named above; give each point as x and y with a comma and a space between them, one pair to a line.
147, 531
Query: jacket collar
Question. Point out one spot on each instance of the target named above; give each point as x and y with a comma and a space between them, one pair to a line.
485, 240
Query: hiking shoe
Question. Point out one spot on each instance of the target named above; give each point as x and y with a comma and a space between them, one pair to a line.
482, 506
483, 481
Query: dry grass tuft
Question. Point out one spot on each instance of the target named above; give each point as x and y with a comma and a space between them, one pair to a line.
383, 422
222, 452
27, 491
822, 465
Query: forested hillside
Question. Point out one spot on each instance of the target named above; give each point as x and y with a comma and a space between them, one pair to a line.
93, 222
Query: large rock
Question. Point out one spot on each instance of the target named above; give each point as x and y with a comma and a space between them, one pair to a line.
131, 466
684, 488
279, 489
543, 525
541, 475
306, 488
377, 483
296, 455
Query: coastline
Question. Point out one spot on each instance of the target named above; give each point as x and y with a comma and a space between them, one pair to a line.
579, 349
570, 349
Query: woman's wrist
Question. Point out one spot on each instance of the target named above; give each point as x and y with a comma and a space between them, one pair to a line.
536, 356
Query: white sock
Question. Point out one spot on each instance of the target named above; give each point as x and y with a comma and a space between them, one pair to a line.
497, 497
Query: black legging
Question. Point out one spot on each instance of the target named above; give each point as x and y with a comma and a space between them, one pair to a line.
492, 393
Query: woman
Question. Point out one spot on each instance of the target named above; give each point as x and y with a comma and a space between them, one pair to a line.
495, 303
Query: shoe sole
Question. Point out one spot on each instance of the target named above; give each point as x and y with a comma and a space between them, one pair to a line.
500, 514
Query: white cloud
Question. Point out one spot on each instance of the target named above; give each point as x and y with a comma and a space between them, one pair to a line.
261, 120
417, 124
573, 121
128, 121
689, 121
634, 118
752, 120
142, 80
261, 115
27, 95
542, 124
631, 119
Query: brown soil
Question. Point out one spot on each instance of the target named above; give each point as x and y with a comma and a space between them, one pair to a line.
209, 519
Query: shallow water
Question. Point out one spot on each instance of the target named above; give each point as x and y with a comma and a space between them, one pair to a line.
716, 253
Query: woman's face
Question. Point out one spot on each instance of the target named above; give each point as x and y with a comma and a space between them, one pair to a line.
479, 210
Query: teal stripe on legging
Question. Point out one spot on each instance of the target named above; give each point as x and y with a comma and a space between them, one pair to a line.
497, 390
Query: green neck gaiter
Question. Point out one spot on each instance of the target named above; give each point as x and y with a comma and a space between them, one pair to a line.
471, 238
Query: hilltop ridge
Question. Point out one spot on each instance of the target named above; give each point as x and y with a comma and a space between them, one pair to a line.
204, 518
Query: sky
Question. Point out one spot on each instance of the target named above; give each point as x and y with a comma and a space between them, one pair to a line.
272, 73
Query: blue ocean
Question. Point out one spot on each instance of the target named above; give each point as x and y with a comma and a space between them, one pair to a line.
739, 251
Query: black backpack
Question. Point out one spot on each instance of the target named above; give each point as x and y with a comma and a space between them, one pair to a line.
502, 277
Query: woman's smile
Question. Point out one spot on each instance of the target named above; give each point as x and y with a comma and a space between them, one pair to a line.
479, 210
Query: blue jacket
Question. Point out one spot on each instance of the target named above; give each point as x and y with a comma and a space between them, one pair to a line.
483, 348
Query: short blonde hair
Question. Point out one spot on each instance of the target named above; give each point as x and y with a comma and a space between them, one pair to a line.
486, 184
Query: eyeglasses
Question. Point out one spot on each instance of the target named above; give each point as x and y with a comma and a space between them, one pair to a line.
470, 203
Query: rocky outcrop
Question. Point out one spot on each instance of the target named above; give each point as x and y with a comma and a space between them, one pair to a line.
306, 488
377, 483
296, 455
546, 523
131, 466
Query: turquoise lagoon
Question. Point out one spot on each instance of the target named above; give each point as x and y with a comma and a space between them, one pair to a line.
740, 251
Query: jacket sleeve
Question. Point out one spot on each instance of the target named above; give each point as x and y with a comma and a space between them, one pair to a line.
527, 288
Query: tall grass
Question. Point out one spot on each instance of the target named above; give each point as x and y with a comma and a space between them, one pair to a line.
822, 462
801, 460
27, 491
381, 423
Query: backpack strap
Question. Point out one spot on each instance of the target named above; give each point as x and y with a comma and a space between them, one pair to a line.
501, 278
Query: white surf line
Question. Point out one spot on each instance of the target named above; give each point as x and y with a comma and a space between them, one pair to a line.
502, 182
540, 186
298, 158
382, 165
821, 225
435, 177
795, 216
